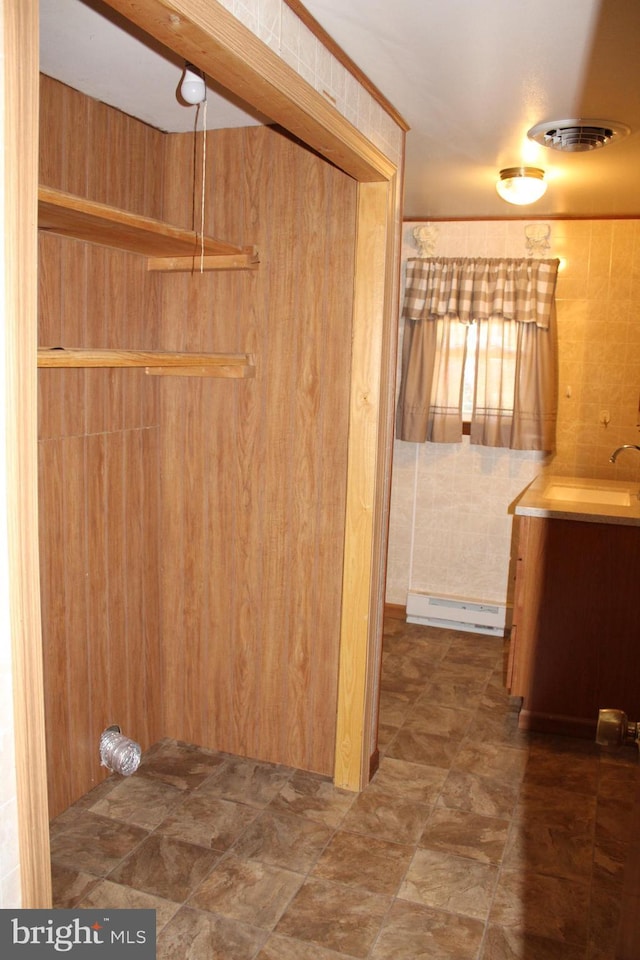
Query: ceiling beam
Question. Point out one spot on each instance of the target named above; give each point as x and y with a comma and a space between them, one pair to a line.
207, 35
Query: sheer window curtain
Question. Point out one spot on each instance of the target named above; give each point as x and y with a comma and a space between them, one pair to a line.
512, 304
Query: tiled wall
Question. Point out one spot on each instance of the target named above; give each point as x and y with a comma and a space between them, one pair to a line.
450, 526
279, 27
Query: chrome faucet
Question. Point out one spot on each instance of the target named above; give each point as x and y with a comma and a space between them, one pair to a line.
625, 446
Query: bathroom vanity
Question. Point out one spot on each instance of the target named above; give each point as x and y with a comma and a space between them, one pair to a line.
575, 640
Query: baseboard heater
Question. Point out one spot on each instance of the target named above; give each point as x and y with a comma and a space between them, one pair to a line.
456, 613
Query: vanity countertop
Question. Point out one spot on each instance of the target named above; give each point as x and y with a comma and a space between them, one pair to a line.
576, 498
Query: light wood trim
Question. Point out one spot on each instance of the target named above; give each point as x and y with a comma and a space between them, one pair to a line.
21, 171
237, 261
352, 760
202, 364
229, 372
207, 35
71, 216
330, 44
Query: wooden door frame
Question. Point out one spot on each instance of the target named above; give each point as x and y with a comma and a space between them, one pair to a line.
207, 35
21, 79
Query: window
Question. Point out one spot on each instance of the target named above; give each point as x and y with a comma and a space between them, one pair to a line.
480, 344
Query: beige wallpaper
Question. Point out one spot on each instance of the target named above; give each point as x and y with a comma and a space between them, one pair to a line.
450, 530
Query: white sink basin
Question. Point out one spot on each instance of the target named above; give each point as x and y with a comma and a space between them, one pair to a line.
575, 493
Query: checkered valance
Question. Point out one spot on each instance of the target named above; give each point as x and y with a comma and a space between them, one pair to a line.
471, 289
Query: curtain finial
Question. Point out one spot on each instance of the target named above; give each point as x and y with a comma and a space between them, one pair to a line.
538, 239
426, 237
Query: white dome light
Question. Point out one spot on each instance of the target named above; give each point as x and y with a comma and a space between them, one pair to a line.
192, 88
521, 185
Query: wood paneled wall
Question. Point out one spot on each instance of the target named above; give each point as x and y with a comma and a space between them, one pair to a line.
192, 530
98, 452
255, 470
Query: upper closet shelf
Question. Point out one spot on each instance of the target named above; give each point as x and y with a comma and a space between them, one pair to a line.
165, 246
167, 363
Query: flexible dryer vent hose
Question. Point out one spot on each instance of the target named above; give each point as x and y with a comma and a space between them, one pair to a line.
118, 753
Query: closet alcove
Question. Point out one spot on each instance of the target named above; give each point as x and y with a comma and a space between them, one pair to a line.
191, 527
207, 557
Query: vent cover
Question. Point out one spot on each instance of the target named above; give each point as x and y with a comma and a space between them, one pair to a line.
573, 136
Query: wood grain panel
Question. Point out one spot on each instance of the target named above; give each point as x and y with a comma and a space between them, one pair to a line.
99, 464
218, 564
267, 508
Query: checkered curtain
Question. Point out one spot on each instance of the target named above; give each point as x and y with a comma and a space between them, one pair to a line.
512, 304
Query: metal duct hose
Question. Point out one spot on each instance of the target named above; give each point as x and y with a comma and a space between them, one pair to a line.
118, 753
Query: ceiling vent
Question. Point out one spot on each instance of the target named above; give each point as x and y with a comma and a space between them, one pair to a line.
573, 136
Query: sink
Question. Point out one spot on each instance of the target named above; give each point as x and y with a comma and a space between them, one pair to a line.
576, 493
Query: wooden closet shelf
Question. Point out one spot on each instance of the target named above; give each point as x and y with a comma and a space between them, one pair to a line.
166, 246
159, 363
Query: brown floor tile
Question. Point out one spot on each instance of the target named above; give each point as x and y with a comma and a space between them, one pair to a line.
610, 861
558, 807
428, 717
554, 851
335, 917
208, 821
247, 781
255, 893
284, 948
475, 840
284, 840
204, 936
458, 671
411, 781
69, 886
386, 817
139, 800
413, 932
180, 764
573, 772
450, 883
605, 915
166, 867
480, 652
476, 794
466, 835
94, 844
315, 798
71, 814
427, 650
361, 861
550, 907
490, 726
504, 943
616, 815
455, 693
400, 668
394, 707
386, 735
118, 897
420, 747
494, 760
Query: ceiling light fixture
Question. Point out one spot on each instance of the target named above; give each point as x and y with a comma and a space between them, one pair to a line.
521, 185
192, 88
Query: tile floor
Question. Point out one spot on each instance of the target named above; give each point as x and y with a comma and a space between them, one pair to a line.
474, 841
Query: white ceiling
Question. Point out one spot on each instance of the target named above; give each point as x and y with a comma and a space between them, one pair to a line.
470, 77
